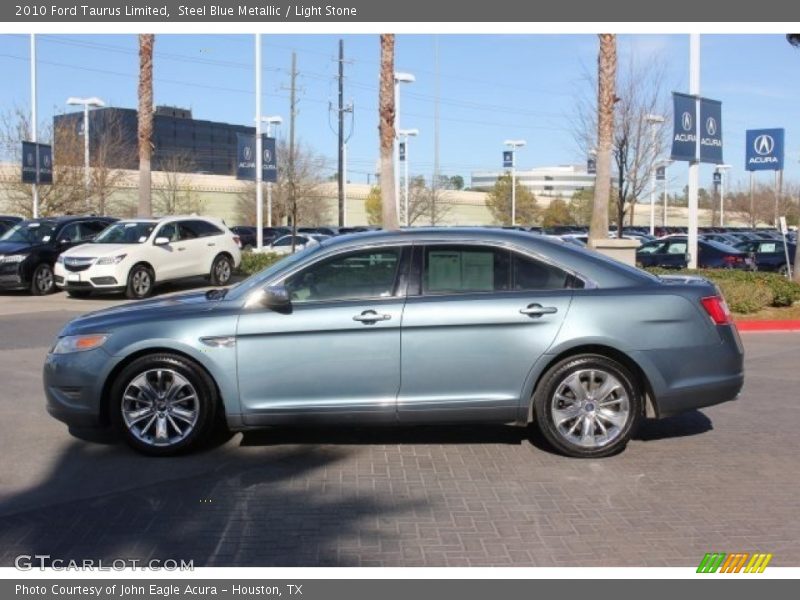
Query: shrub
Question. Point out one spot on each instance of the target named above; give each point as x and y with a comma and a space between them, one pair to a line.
747, 291
253, 262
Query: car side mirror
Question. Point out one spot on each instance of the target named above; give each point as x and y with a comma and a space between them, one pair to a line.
161, 241
277, 298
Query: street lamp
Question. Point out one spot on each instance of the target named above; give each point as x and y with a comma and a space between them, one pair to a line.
653, 121
721, 170
405, 134
86, 103
514, 144
398, 79
665, 163
270, 121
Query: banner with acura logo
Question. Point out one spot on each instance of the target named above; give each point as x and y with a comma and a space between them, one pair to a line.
246, 158
687, 128
764, 150
37, 169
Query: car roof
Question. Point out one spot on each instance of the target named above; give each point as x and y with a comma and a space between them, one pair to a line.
68, 219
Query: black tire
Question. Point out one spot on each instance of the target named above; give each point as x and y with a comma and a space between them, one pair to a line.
221, 270
43, 282
590, 410
141, 282
205, 406
783, 271
79, 293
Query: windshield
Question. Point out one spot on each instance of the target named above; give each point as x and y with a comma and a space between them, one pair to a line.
129, 232
30, 232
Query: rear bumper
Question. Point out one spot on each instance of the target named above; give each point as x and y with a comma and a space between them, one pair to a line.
700, 396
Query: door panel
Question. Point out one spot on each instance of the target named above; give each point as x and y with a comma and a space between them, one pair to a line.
466, 355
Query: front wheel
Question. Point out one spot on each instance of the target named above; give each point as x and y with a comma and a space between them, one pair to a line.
140, 283
163, 404
43, 281
783, 271
221, 270
588, 406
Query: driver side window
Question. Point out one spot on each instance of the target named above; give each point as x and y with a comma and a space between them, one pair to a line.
169, 231
365, 274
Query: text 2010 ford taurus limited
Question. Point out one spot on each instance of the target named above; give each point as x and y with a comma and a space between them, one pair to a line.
423, 326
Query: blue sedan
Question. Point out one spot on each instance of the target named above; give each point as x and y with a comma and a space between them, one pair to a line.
419, 326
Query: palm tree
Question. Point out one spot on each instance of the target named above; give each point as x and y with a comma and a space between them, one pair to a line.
794, 40
386, 111
145, 133
606, 97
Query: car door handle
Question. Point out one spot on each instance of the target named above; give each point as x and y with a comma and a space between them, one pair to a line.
181, 249
370, 316
537, 310
211, 244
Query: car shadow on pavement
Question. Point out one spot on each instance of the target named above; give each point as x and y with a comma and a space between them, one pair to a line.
248, 507
689, 423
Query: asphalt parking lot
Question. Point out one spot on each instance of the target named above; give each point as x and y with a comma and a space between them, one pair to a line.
723, 479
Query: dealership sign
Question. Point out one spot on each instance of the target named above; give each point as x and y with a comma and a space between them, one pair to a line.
661, 173
508, 159
764, 150
696, 127
246, 158
37, 163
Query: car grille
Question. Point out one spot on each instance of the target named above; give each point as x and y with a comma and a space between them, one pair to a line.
75, 263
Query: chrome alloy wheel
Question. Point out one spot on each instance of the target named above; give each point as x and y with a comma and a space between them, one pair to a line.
44, 279
590, 408
222, 271
160, 407
141, 282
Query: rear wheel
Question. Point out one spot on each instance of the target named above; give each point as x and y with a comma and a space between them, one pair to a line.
140, 282
43, 281
221, 270
588, 406
783, 270
163, 404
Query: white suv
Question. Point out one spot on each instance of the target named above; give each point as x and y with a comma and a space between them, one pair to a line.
133, 255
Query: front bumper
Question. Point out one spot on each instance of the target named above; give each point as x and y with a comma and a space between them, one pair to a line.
12, 277
96, 277
73, 387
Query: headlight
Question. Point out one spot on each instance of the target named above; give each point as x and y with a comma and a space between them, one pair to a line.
60, 259
111, 260
12, 258
79, 343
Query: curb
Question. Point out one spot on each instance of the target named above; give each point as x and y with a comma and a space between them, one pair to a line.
767, 325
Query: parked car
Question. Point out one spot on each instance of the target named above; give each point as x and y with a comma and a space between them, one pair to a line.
412, 327
283, 245
723, 238
769, 255
133, 256
7, 222
672, 253
28, 251
247, 236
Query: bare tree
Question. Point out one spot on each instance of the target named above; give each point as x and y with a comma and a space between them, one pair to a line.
174, 195
304, 176
66, 195
109, 150
145, 134
637, 144
386, 132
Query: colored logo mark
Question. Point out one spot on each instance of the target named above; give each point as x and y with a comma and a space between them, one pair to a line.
738, 562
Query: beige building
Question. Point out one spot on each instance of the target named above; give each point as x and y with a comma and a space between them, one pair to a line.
219, 196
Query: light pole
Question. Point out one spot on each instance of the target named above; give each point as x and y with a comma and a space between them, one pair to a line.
694, 165
653, 121
270, 121
514, 144
664, 164
405, 134
34, 134
86, 103
721, 170
398, 79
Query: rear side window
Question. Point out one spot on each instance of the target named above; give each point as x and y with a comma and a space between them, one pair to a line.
201, 228
530, 274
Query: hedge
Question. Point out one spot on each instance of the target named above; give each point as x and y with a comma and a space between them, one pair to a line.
747, 291
253, 262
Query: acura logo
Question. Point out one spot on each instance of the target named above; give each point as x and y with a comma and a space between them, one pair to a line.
247, 152
711, 126
764, 144
29, 159
686, 121
46, 160
267, 156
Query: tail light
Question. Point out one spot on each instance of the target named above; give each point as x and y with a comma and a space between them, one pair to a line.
238, 241
717, 309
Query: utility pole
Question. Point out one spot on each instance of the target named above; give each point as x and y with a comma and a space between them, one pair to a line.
694, 166
341, 133
292, 117
259, 151
435, 182
34, 133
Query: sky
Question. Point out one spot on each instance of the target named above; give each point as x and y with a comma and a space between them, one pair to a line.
492, 88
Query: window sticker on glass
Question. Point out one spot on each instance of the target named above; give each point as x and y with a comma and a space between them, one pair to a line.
46, 239
34, 225
127, 225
